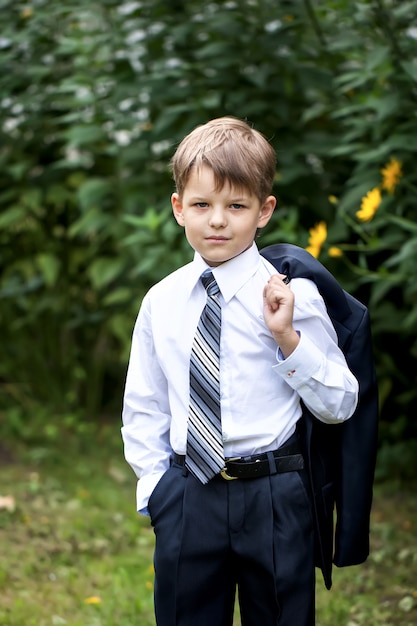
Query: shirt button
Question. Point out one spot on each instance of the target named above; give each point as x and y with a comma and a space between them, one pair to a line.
290, 373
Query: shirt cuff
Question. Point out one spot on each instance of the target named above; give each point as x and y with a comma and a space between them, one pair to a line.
144, 511
144, 489
300, 365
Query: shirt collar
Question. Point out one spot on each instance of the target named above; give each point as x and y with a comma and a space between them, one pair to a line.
231, 275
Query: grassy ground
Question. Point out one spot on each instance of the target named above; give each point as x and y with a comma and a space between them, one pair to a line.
73, 551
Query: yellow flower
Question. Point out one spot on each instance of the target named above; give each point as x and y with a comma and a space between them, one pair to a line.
335, 252
391, 174
369, 205
26, 13
314, 250
333, 199
93, 600
318, 234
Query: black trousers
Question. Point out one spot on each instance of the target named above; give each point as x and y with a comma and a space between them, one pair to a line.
254, 535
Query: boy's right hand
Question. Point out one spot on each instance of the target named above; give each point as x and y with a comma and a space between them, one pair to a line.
278, 313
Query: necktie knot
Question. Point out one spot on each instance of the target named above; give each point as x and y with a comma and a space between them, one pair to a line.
210, 284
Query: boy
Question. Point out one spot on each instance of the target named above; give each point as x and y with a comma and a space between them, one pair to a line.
211, 405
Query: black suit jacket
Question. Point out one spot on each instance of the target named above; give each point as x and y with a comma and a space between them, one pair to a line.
340, 458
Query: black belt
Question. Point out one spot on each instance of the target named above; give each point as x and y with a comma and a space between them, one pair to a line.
288, 458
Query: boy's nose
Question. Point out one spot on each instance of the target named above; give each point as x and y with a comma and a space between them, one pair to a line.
217, 217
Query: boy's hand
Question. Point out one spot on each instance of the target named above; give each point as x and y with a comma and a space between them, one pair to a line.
278, 313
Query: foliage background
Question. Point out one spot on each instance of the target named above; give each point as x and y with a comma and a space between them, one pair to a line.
94, 97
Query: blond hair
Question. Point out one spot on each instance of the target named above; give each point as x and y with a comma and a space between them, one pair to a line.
236, 153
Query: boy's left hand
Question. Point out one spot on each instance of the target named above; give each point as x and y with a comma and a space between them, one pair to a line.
278, 313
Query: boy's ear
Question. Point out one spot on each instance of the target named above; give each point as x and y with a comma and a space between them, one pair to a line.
266, 211
177, 208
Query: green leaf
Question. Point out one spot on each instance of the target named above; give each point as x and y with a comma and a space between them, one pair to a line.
407, 255
122, 295
93, 191
404, 223
82, 135
385, 106
103, 271
12, 216
404, 9
410, 67
49, 267
151, 220
89, 224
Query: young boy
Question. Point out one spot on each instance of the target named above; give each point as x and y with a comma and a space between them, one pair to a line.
221, 472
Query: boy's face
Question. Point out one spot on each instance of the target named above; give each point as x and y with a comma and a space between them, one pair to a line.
219, 225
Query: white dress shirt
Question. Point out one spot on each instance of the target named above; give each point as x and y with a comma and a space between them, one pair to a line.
260, 390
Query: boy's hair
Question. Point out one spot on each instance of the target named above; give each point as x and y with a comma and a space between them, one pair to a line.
236, 153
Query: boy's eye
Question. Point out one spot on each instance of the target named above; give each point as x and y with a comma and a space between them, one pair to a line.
235, 205
201, 205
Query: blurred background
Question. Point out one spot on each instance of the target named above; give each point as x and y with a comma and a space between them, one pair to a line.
95, 96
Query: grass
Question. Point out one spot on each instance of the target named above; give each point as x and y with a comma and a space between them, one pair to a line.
74, 552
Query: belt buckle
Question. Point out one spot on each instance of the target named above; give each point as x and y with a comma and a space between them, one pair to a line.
223, 472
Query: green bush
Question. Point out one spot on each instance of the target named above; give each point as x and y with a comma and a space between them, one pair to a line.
374, 229
95, 97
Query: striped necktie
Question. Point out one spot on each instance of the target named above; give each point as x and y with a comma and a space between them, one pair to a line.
205, 454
